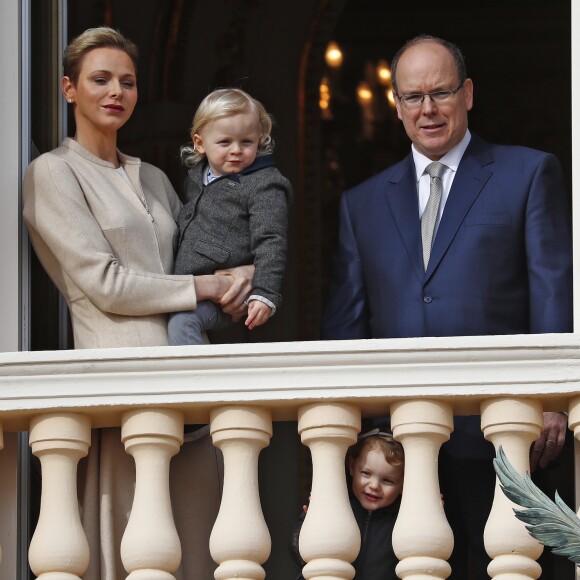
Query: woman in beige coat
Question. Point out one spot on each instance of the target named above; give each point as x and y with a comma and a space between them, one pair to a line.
102, 225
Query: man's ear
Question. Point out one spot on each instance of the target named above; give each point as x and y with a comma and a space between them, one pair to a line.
398, 107
468, 91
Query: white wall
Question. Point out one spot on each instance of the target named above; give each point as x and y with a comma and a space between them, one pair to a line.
10, 178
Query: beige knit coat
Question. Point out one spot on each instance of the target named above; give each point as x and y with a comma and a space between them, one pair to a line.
108, 247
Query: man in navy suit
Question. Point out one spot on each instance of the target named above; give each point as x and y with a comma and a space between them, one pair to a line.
500, 260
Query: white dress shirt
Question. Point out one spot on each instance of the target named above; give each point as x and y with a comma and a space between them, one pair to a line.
451, 159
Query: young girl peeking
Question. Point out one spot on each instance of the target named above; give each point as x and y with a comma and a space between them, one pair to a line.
375, 472
236, 211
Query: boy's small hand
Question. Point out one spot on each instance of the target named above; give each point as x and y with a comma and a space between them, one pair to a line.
258, 313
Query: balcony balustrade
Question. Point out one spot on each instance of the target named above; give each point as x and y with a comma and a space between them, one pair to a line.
240, 390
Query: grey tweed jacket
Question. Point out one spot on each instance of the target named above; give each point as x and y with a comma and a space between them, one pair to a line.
237, 219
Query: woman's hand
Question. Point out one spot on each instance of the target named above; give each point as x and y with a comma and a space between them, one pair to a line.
213, 287
232, 302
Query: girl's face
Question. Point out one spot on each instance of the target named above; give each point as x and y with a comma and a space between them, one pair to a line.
375, 482
105, 94
230, 143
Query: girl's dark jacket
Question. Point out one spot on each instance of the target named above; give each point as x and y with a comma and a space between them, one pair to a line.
237, 219
376, 559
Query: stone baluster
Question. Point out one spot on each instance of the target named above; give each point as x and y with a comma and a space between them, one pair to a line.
150, 548
330, 538
512, 424
574, 424
422, 538
240, 541
59, 548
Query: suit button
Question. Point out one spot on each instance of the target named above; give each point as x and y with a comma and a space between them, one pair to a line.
427, 299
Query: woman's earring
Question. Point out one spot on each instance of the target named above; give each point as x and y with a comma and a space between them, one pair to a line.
69, 100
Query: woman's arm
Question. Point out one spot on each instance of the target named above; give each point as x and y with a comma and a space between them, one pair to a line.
213, 287
76, 253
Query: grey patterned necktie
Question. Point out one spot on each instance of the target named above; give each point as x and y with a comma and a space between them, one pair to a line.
429, 217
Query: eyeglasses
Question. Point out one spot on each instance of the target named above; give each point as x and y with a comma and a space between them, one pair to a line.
415, 100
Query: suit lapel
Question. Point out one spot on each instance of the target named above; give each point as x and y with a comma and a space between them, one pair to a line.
472, 175
402, 199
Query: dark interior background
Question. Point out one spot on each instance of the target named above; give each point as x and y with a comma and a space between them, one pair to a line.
517, 53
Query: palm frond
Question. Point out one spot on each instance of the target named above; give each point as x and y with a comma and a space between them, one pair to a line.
553, 524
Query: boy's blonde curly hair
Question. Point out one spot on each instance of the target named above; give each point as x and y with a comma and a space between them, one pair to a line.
222, 103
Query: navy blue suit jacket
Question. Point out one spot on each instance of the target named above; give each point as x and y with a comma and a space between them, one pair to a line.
501, 261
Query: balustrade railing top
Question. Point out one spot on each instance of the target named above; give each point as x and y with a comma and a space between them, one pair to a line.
283, 376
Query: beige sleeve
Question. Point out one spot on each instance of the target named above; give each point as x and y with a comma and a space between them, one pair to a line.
74, 251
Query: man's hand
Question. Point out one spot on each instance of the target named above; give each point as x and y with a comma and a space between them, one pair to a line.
551, 441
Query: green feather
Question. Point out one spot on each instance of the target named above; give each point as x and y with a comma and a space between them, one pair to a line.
553, 524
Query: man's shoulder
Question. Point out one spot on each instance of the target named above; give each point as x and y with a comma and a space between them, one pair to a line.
504, 152
392, 174
518, 151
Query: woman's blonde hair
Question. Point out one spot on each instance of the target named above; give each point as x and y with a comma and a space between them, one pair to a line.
223, 103
100, 37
